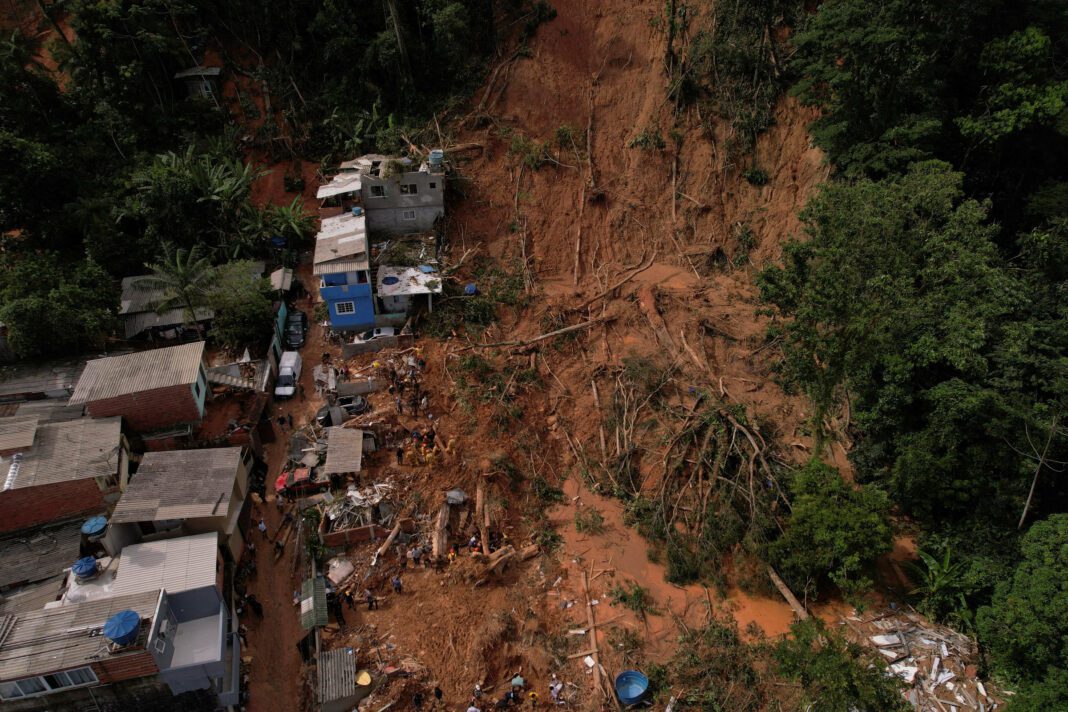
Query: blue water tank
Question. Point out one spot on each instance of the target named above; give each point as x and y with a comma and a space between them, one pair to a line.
122, 627
84, 567
357, 210
437, 157
471, 289
95, 526
631, 687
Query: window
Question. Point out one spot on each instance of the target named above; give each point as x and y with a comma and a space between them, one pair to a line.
409, 188
361, 278
408, 215
345, 308
378, 191
45, 684
433, 186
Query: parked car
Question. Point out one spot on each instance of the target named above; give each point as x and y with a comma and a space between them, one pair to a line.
296, 329
381, 332
349, 406
299, 481
288, 374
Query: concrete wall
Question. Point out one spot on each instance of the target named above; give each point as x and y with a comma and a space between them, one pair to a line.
387, 213
31, 506
151, 410
400, 221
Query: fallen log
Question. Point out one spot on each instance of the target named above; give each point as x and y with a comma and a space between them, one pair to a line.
439, 542
795, 604
528, 342
385, 545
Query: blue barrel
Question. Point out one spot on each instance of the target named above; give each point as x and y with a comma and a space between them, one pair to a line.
471, 289
95, 526
631, 687
84, 567
122, 627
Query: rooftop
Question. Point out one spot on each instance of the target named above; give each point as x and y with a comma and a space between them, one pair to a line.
176, 565
39, 553
341, 183
337, 674
17, 431
64, 451
344, 450
25, 378
401, 281
137, 372
64, 637
180, 484
136, 308
32, 597
342, 249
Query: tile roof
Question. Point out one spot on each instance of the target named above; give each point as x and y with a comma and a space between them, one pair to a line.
175, 565
64, 451
66, 636
137, 308
39, 553
180, 484
344, 450
140, 371
17, 431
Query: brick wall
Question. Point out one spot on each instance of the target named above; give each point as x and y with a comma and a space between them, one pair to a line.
30, 506
150, 410
126, 666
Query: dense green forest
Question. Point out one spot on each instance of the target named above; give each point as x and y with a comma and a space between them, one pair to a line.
927, 302
106, 164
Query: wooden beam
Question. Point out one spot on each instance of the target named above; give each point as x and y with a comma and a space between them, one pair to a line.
802, 614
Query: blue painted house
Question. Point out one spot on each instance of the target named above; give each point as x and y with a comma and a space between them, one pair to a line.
343, 266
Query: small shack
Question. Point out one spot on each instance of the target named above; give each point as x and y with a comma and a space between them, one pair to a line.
344, 451
399, 286
341, 685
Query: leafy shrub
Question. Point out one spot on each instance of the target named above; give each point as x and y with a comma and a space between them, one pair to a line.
589, 521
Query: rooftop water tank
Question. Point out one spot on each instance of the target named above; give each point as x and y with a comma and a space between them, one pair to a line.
122, 628
95, 527
437, 157
85, 568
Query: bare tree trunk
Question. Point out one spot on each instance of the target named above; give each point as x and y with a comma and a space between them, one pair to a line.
1038, 469
401, 46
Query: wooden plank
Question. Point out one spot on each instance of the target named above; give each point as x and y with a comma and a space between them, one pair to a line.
592, 627
439, 543
799, 610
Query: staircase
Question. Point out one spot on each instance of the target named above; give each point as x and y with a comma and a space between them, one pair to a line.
225, 379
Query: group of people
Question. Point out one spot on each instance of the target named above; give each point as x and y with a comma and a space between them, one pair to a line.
516, 696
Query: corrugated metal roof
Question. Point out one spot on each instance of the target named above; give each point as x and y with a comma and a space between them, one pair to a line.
39, 553
142, 371
175, 565
66, 636
180, 484
19, 379
313, 611
72, 450
17, 431
347, 247
137, 312
344, 450
49, 409
346, 222
32, 597
341, 183
337, 674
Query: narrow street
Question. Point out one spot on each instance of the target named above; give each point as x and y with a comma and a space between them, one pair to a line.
276, 681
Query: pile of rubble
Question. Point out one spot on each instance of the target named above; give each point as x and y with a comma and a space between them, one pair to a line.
936, 663
360, 507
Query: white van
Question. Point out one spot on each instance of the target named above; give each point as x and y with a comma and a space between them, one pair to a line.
288, 374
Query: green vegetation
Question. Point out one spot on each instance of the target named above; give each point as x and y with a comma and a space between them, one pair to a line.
634, 597
589, 521
242, 303
834, 674
834, 532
